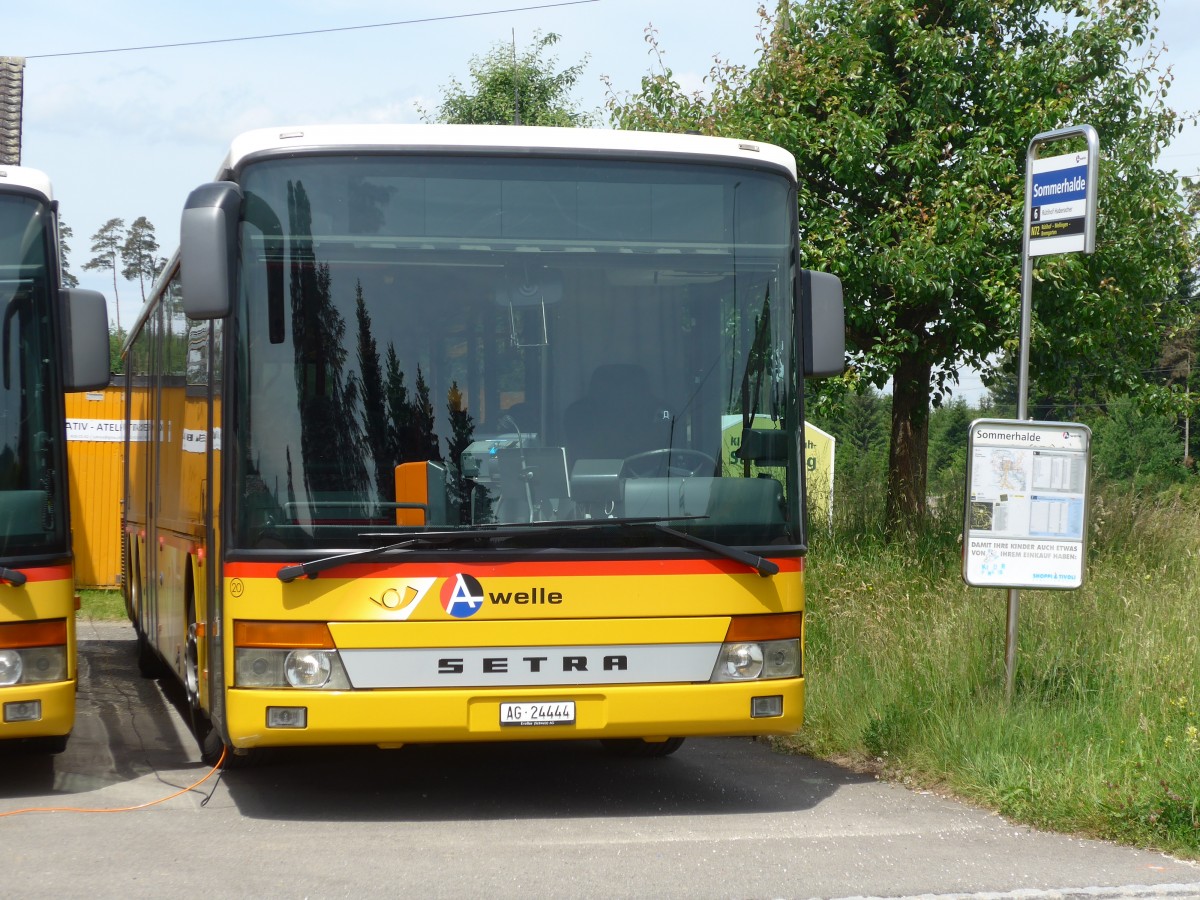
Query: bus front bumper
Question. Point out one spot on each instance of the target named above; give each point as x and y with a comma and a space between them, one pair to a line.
37, 710
394, 717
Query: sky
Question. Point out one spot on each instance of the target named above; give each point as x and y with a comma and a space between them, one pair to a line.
131, 133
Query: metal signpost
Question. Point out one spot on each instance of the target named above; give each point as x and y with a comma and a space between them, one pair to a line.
1060, 217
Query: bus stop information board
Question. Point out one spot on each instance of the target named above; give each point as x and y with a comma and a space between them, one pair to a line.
1059, 204
1026, 510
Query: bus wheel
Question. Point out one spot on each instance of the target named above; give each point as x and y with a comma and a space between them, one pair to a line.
211, 747
191, 664
49, 746
636, 748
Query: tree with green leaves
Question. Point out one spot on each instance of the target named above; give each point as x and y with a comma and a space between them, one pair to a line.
64, 254
508, 88
909, 120
138, 254
106, 247
1180, 360
116, 340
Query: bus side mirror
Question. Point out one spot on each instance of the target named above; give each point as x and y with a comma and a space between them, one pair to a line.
85, 339
823, 323
208, 245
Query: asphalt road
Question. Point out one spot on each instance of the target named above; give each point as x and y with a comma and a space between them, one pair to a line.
720, 818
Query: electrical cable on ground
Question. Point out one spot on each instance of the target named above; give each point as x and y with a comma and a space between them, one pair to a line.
71, 809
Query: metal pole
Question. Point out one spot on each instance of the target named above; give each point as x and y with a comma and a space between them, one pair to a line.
1014, 595
1088, 133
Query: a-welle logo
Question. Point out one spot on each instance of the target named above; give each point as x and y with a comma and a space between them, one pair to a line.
463, 596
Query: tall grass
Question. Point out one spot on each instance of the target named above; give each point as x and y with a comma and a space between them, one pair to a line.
906, 673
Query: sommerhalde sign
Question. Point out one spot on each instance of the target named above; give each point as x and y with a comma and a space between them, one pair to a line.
1060, 204
1026, 504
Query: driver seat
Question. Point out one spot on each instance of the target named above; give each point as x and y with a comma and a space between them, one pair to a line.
617, 417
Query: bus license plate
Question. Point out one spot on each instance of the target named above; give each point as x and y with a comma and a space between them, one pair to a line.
555, 712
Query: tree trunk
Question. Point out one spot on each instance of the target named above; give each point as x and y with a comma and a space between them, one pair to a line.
909, 449
116, 298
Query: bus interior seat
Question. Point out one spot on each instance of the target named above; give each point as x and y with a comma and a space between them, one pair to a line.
667, 497
617, 417
747, 501
724, 501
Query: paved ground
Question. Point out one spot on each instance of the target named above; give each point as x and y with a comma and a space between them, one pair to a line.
721, 818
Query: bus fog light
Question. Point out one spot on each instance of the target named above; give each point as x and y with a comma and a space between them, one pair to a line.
11, 667
24, 711
287, 717
739, 662
766, 707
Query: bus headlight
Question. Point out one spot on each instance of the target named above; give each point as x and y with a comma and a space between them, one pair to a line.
739, 662
33, 665
286, 654
755, 660
45, 664
10, 667
308, 669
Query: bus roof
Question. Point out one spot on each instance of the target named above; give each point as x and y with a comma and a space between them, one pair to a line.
500, 138
24, 177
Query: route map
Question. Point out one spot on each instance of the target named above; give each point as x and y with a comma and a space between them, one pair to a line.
1026, 505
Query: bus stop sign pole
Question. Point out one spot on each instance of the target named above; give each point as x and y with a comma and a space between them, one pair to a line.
1060, 217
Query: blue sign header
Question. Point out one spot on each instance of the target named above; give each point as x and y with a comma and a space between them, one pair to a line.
1060, 185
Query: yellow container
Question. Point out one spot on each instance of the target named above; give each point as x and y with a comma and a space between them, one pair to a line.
95, 430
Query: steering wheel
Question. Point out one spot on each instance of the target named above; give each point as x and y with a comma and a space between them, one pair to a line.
677, 462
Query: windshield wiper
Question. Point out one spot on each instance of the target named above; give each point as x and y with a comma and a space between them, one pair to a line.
12, 576
315, 567
763, 567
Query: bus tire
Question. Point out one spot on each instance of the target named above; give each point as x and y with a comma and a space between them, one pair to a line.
47, 746
636, 748
191, 665
211, 748
55, 744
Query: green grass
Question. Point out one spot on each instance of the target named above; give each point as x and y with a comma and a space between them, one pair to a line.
102, 605
905, 670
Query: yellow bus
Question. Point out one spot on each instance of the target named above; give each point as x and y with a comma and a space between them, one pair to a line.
53, 340
428, 440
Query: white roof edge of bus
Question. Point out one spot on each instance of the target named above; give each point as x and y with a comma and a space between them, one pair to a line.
25, 177
499, 137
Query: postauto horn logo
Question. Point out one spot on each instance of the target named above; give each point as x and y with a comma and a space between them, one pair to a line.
462, 596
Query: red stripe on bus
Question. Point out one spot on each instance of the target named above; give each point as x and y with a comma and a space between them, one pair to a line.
520, 569
46, 573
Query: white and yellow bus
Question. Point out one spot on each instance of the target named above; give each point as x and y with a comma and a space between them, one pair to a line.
51, 340
428, 440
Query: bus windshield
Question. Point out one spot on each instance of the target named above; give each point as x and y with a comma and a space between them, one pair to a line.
460, 342
31, 497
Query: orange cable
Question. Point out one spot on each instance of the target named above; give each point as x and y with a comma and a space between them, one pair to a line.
190, 787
